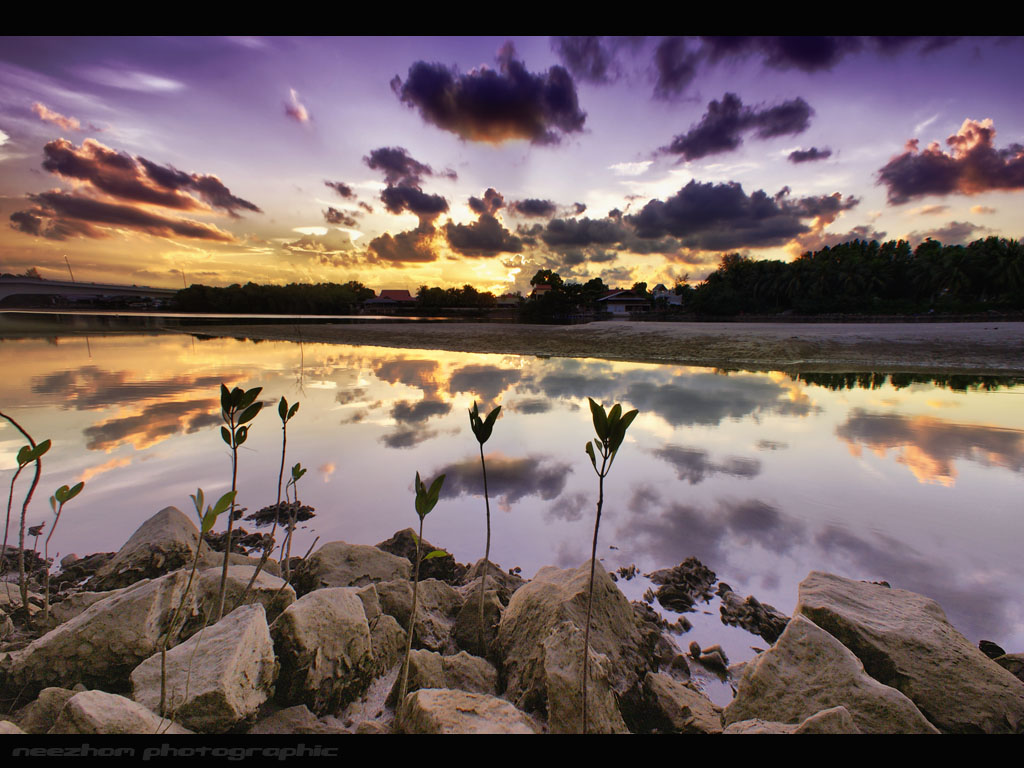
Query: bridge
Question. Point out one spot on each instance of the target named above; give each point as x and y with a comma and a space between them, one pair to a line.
12, 289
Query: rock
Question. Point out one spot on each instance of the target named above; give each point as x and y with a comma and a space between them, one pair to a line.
338, 564
1013, 663
755, 617
10, 601
681, 587
165, 542
218, 678
76, 603
372, 726
536, 614
905, 640
98, 712
268, 590
102, 645
434, 710
6, 626
403, 544
675, 708
504, 582
834, 720
294, 720
438, 605
467, 623
41, 714
7, 727
990, 649
808, 670
387, 638
460, 672
323, 644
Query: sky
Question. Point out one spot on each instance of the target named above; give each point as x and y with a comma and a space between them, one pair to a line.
402, 162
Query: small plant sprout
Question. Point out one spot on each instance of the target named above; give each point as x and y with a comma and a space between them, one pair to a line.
207, 519
31, 453
238, 408
482, 430
60, 497
426, 500
294, 510
611, 429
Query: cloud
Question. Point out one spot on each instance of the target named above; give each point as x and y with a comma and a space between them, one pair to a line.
400, 168
982, 210
413, 246
570, 507
693, 465
719, 217
577, 233
972, 166
407, 438
590, 58
494, 106
534, 208
427, 207
91, 387
334, 216
810, 53
153, 424
721, 127
85, 211
295, 109
484, 237
132, 80
49, 116
508, 479
486, 381
954, 233
675, 66
491, 202
409, 412
809, 155
341, 188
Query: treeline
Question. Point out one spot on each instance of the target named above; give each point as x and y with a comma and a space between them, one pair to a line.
294, 298
466, 297
868, 277
955, 382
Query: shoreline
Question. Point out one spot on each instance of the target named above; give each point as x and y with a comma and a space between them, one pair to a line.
995, 348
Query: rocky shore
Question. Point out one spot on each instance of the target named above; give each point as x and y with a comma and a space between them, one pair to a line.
322, 655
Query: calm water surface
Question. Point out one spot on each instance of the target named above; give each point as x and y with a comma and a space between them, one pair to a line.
762, 476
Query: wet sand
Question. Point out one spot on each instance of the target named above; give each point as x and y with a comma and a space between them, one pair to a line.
995, 348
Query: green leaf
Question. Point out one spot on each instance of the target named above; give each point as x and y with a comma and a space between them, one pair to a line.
197, 501
209, 520
590, 453
292, 411
226, 435
53, 504
614, 415
224, 502
240, 434
282, 409
297, 472
600, 419
435, 490
61, 494
247, 398
236, 398
619, 433
225, 399
24, 455
75, 490
250, 413
435, 553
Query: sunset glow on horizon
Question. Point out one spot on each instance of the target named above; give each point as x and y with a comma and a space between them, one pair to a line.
401, 162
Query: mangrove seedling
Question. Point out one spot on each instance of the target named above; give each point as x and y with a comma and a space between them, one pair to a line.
61, 497
207, 520
286, 414
31, 453
238, 408
426, 500
611, 429
482, 430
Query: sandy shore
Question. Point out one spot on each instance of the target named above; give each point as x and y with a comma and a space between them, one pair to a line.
978, 348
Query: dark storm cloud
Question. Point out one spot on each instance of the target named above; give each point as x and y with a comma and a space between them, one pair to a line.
421, 374
334, 216
694, 465
972, 166
62, 206
809, 155
719, 217
484, 237
529, 405
405, 247
405, 437
400, 168
675, 66
534, 208
722, 127
426, 206
590, 58
810, 53
570, 507
494, 105
562, 233
407, 412
209, 188
52, 229
491, 202
341, 188
508, 479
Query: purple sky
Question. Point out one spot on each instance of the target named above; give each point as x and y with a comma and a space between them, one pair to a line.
481, 160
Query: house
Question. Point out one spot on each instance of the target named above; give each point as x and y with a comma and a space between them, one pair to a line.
670, 297
540, 289
400, 296
623, 303
390, 300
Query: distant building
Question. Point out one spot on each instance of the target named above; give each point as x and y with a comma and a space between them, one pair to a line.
540, 289
390, 299
661, 292
401, 296
624, 303
509, 300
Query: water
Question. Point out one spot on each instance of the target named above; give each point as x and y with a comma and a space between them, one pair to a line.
761, 476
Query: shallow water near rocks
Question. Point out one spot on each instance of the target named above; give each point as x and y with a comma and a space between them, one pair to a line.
915, 480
